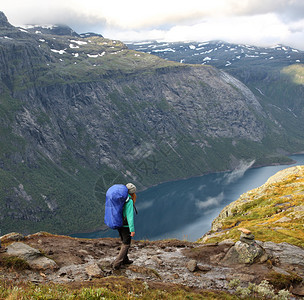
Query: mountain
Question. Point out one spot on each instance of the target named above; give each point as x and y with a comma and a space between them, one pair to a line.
79, 114
220, 54
50, 29
274, 74
61, 30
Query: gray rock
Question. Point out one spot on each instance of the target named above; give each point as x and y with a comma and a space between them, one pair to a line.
249, 236
280, 271
287, 254
192, 265
247, 241
23, 251
73, 273
244, 253
31, 255
93, 270
204, 268
43, 263
156, 259
227, 242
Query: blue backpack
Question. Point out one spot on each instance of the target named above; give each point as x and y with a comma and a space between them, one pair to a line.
116, 197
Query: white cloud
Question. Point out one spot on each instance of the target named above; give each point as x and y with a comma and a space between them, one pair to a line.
259, 22
211, 201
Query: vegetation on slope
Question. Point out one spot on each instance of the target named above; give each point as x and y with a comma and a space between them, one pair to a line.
108, 288
273, 212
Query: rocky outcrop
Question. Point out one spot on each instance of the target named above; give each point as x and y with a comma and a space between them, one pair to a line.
171, 261
245, 251
51, 29
3, 21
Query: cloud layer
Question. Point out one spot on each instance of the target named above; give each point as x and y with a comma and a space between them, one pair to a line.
259, 22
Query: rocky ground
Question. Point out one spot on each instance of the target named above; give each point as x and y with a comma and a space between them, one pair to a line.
62, 259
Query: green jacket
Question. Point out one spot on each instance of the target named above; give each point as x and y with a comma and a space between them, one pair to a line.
128, 213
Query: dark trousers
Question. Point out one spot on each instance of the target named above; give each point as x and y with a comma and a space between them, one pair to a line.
125, 235
122, 258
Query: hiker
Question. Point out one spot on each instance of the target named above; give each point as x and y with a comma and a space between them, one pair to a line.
127, 231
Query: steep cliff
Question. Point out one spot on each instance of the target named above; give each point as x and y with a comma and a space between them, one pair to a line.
78, 114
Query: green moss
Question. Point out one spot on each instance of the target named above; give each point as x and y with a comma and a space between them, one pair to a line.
108, 288
283, 281
14, 262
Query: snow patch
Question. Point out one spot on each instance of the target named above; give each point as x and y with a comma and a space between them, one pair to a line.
73, 46
142, 43
92, 55
96, 55
164, 50
78, 42
58, 51
203, 44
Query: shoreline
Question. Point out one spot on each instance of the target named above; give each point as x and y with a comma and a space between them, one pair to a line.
228, 170
104, 227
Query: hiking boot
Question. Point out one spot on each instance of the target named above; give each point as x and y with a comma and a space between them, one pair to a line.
121, 257
116, 266
127, 262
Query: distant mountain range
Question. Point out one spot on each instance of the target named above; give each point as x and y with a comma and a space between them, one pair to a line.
220, 54
81, 112
274, 74
62, 30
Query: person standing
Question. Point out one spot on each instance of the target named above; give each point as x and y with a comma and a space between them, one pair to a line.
127, 231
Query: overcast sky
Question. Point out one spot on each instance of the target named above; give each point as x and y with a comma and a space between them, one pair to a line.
256, 22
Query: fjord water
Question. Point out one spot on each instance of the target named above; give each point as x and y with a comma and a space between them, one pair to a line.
185, 209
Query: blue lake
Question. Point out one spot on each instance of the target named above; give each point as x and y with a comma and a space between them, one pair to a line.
185, 209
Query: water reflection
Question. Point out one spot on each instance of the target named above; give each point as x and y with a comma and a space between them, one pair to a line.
185, 209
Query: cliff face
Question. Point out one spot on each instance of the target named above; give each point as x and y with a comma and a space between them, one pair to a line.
78, 114
273, 212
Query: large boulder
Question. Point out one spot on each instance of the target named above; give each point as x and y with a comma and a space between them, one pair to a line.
245, 251
32, 256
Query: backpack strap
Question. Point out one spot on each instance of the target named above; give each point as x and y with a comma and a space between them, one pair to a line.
135, 209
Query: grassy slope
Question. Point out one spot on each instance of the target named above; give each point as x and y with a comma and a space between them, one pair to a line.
273, 212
